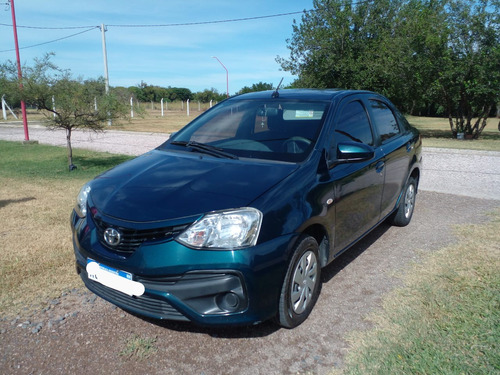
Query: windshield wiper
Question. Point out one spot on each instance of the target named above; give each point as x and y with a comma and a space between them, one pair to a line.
208, 149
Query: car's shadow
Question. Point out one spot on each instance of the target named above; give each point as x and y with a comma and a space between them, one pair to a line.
352, 253
269, 327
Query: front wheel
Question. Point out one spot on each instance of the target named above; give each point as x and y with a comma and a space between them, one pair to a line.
301, 286
402, 216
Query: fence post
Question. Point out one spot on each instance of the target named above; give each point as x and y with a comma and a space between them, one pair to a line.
161, 107
95, 103
4, 112
187, 106
199, 106
131, 107
54, 106
210, 103
4, 104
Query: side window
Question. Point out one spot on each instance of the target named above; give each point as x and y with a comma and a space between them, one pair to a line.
384, 120
353, 124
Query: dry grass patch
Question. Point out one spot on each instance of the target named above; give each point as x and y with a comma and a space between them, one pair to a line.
37, 194
153, 122
36, 256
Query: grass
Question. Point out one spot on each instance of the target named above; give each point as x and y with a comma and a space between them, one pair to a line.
436, 133
139, 347
153, 122
446, 320
37, 194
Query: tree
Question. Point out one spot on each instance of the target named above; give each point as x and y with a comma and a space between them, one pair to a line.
8, 86
427, 56
68, 103
468, 87
261, 86
207, 95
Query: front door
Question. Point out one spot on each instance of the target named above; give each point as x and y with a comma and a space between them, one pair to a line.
358, 187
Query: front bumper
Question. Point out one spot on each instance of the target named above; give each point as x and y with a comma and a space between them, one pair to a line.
205, 287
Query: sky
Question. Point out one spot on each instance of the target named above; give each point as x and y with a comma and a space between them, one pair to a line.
176, 56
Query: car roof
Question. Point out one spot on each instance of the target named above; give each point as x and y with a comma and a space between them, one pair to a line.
314, 94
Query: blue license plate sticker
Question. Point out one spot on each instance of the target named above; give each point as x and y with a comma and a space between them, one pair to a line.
114, 278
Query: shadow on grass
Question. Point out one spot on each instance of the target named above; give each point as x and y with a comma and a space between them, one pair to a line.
6, 202
99, 162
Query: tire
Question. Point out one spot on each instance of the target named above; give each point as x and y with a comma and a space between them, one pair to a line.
302, 284
403, 214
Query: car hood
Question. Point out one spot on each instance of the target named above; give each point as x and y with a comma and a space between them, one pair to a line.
163, 185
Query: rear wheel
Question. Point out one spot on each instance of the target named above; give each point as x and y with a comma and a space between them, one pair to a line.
404, 212
301, 286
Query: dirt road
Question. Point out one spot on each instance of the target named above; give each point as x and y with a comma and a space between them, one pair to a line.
81, 334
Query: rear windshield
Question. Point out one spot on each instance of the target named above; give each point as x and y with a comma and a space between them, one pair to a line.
271, 129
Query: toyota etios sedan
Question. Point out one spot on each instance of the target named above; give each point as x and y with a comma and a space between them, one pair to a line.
231, 220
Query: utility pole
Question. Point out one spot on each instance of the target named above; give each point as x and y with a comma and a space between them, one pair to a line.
19, 72
105, 56
227, 75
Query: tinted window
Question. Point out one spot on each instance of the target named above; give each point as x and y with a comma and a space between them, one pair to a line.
353, 124
384, 120
273, 129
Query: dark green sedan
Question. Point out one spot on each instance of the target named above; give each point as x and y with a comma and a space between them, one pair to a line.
231, 220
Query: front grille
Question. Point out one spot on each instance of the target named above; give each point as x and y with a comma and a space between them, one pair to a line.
144, 304
131, 238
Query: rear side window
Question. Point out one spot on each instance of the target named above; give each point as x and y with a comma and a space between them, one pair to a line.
353, 124
384, 120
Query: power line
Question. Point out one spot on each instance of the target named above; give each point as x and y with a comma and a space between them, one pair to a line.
212, 22
89, 28
49, 28
55, 40
167, 24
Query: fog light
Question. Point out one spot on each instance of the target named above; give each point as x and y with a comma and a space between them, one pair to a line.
228, 301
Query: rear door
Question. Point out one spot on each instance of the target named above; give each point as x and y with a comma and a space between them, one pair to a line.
395, 145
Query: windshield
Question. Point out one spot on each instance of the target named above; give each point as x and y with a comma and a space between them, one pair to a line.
273, 129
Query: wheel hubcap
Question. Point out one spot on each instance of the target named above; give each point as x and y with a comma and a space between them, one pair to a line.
409, 200
304, 282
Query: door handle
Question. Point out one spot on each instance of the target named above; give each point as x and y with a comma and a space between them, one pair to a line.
409, 147
379, 166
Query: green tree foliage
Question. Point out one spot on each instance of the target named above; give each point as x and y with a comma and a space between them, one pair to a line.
468, 86
207, 95
68, 103
261, 86
427, 56
150, 93
8, 85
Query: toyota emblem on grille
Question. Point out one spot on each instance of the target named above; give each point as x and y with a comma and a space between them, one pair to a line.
112, 236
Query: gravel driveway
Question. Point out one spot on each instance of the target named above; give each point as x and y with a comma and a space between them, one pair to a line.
81, 334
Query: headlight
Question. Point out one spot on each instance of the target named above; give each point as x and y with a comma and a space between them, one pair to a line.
224, 230
81, 200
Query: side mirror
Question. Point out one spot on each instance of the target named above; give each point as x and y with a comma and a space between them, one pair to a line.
351, 152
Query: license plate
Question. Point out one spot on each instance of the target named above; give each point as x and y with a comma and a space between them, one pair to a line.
113, 278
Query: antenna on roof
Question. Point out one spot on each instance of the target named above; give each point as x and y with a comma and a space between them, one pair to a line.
276, 93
